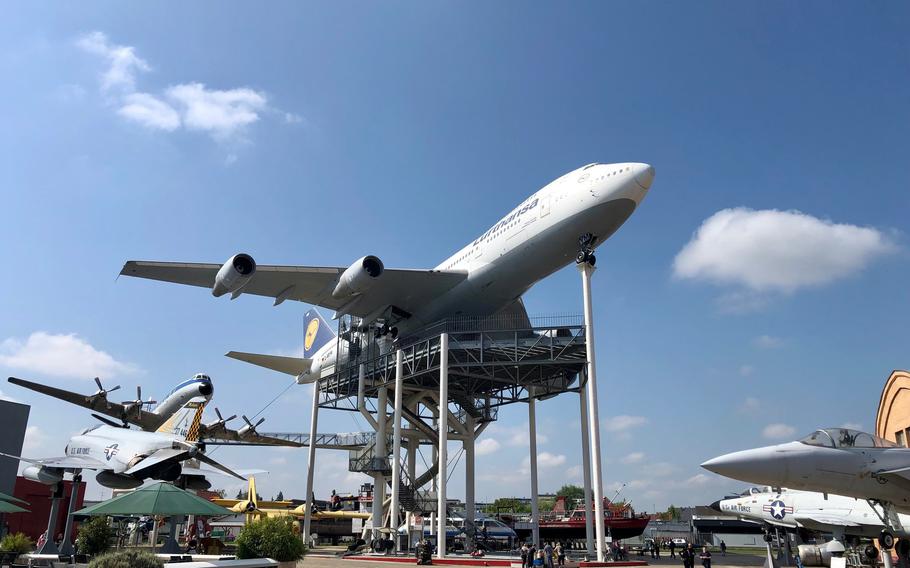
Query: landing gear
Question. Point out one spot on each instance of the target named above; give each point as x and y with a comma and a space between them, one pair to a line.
586, 249
886, 539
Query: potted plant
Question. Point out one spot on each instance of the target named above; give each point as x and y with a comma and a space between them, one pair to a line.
13, 545
94, 536
126, 559
274, 538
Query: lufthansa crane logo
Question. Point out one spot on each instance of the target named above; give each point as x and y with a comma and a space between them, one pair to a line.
311, 330
110, 451
778, 509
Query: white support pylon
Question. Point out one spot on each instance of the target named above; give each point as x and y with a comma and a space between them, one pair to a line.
593, 419
469, 506
586, 469
441, 516
311, 465
535, 505
396, 448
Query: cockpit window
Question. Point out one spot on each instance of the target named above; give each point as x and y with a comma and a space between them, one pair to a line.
845, 438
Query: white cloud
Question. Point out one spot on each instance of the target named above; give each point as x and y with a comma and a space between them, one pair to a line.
516, 436
220, 113
746, 370
280, 460
767, 342
149, 111
545, 460
122, 61
778, 431
623, 422
777, 251
4, 396
574, 472
852, 426
750, 405
698, 479
60, 355
661, 469
486, 447
292, 118
34, 438
634, 457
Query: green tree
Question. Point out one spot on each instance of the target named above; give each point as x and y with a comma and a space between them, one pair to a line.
95, 536
239, 494
510, 504
273, 537
573, 494
280, 496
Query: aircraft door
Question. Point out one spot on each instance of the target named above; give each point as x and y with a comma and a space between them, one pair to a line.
545, 206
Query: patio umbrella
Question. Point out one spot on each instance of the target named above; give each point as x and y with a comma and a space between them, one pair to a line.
11, 499
7, 507
162, 499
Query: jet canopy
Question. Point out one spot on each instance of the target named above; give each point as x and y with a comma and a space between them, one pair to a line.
845, 438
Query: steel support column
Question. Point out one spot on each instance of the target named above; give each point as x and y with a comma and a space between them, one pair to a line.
469, 515
586, 469
311, 465
380, 452
66, 547
532, 438
396, 448
593, 419
441, 516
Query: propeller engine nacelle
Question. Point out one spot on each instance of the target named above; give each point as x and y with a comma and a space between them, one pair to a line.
117, 480
45, 475
358, 277
234, 274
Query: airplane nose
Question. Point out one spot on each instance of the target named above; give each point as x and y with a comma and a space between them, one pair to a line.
716, 506
645, 176
764, 466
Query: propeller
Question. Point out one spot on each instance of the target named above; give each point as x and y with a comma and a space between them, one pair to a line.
100, 394
217, 424
250, 428
130, 405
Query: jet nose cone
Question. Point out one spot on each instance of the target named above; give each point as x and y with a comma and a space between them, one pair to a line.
645, 176
716, 506
764, 466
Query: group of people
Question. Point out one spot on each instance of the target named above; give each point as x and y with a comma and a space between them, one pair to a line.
545, 557
688, 556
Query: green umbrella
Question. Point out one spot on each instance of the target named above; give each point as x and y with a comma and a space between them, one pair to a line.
7, 507
11, 499
159, 499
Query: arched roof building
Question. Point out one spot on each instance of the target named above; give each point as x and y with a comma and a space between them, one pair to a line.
892, 422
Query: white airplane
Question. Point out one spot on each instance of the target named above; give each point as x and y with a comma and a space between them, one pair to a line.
836, 461
124, 458
564, 221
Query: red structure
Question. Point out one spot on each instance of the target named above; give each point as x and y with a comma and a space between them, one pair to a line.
38, 496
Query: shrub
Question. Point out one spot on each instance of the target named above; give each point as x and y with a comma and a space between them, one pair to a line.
16, 543
94, 536
273, 538
126, 559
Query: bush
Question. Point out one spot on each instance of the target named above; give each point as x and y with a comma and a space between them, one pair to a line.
16, 543
94, 536
126, 559
273, 538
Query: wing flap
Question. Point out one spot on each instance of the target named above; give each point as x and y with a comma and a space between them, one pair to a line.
815, 519
294, 366
64, 462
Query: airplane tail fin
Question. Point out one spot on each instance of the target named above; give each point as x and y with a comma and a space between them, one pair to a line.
317, 332
185, 422
294, 366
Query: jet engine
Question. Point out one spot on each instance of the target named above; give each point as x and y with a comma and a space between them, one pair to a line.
117, 480
197, 482
41, 474
358, 277
234, 274
815, 555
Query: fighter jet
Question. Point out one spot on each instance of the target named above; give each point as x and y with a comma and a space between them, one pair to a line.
125, 458
836, 461
560, 223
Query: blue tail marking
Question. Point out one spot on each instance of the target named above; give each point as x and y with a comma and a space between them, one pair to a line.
316, 333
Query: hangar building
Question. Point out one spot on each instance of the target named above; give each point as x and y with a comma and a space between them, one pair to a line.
892, 422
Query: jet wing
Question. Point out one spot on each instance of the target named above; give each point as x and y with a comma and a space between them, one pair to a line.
157, 457
294, 366
816, 520
405, 289
148, 420
65, 462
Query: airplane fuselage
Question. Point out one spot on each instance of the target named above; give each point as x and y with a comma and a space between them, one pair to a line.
120, 449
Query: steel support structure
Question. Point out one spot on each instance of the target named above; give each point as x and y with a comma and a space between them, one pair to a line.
381, 453
532, 452
586, 471
587, 270
469, 507
311, 465
396, 449
66, 547
441, 516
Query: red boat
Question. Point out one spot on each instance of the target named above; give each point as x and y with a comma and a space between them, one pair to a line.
620, 522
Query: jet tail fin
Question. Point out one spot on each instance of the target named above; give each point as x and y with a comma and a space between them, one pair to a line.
294, 366
185, 422
317, 332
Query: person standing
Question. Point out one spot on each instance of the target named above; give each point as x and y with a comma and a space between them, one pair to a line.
723, 548
688, 556
705, 557
672, 546
657, 549
560, 554
548, 555
524, 555
532, 555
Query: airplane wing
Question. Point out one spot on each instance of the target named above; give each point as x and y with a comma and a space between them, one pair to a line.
406, 289
222, 435
817, 519
293, 366
65, 462
157, 457
148, 421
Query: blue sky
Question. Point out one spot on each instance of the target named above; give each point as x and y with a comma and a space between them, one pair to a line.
317, 133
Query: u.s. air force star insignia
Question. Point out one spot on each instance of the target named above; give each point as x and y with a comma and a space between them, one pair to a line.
311, 330
777, 509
